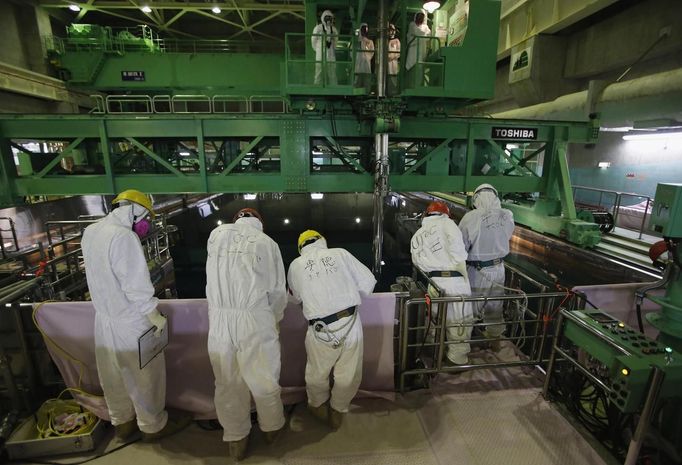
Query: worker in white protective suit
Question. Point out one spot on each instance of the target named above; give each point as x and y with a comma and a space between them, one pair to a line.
329, 283
393, 61
246, 293
323, 41
125, 308
438, 250
486, 231
417, 47
363, 59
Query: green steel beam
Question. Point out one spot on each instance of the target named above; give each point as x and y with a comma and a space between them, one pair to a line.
341, 153
428, 157
59, 157
154, 156
294, 133
525, 160
510, 159
241, 155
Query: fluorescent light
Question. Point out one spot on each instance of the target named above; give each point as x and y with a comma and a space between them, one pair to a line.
604, 164
250, 196
431, 6
216, 10
184, 154
317, 152
286, 221
654, 136
357, 219
219, 222
316, 195
8, 244
146, 9
74, 8
512, 146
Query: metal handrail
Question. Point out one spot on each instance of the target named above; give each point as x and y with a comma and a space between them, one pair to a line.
123, 99
618, 197
223, 99
536, 358
193, 98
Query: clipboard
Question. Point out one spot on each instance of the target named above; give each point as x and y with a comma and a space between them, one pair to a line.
149, 346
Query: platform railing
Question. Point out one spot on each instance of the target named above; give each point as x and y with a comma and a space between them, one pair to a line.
616, 204
302, 69
427, 72
532, 326
188, 104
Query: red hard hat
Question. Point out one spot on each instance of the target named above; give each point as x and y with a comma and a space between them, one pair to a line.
437, 207
247, 212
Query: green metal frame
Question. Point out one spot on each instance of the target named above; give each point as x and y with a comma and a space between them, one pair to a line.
432, 170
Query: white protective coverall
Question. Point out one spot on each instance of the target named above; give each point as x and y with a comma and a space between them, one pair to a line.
416, 48
123, 295
324, 42
328, 281
363, 60
393, 66
486, 232
246, 293
438, 246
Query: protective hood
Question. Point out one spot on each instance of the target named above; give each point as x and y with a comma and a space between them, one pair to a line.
485, 198
433, 218
326, 13
129, 214
361, 26
319, 244
418, 13
250, 221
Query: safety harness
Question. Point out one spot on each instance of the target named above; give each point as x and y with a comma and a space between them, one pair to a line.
320, 327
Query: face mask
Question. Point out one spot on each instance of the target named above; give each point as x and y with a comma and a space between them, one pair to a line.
142, 227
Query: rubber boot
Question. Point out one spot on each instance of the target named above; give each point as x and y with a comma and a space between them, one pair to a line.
271, 436
321, 412
495, 346
238, 448
177, 421
126, 430
335, 418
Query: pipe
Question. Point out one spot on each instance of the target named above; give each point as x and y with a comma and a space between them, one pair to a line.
380, 146
658, 89
645, 418
380, 192
382, 50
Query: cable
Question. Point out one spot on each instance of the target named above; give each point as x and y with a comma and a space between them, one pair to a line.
81, 365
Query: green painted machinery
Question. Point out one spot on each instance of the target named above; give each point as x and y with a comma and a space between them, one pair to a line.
626, 355
666, 219
176, 116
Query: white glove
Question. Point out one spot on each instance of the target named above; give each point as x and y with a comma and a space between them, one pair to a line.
158, 321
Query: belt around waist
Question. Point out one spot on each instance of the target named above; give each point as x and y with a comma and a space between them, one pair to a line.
329, 319
485, 264
445, 274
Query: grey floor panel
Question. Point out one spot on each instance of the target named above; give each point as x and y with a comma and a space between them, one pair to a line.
480, 417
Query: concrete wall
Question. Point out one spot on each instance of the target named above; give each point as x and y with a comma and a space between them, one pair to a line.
12, 50
636, 166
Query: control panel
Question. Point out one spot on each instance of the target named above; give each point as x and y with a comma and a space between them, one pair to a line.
621, 357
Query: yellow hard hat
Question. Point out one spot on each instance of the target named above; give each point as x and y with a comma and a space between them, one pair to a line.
308, 237
135, 196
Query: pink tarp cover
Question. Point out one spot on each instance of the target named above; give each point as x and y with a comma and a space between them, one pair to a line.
190, 381
618, 300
